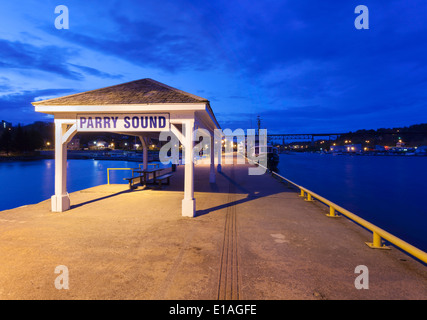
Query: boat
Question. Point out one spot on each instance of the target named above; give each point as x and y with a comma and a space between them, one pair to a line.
271, 152
272, 157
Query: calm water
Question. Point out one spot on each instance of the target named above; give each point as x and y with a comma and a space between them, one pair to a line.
28, 182
388, 191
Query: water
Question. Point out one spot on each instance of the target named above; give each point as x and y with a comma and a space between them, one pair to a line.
28, 182
388, 191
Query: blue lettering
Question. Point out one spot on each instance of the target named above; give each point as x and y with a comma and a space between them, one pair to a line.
153, 122
89, 123
106, 122
135, 122
114, 119
82, 121
144, 122
162, 122
127, 123
98, 123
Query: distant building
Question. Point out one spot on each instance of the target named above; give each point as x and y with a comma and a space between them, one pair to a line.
421, 151
74, 144
353, 148
5, 125
98, 145
348, 148
337, 149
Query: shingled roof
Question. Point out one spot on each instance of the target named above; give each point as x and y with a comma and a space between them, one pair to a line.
144, 91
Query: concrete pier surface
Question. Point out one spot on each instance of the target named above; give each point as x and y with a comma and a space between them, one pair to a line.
253, 238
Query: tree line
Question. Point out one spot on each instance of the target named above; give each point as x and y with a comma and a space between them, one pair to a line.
21, 139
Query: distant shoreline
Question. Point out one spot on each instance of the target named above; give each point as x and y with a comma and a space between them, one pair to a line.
82, 155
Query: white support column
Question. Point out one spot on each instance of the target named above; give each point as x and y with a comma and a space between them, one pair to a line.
218, 147
60, 201
188, 203
212, 177
144, 152
178, 134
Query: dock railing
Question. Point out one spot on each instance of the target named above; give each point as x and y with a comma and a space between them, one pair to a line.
133, 169
378, 233
109, 169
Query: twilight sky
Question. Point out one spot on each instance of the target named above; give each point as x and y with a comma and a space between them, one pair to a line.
301, 65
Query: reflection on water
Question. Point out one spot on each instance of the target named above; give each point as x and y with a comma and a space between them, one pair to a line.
388, 191
28, 182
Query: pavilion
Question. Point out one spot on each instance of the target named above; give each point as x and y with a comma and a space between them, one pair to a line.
121, 109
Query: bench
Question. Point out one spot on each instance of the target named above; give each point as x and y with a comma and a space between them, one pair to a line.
163, 177
131, 186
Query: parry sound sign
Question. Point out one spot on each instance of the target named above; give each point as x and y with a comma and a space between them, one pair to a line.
123, 122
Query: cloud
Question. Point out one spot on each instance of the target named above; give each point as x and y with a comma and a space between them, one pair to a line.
296, 63
51, 59
17, 107
96, 72
18, 55
146, 44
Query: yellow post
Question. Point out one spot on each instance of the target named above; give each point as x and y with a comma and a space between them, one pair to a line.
376, 242
108, 172
332, 213
302, 193
308, 197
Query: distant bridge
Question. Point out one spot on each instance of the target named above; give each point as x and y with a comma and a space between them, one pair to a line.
330, 136
302, 136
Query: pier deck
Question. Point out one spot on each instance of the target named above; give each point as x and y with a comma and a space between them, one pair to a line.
253, 238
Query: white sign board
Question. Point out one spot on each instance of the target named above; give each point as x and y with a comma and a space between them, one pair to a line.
123, 122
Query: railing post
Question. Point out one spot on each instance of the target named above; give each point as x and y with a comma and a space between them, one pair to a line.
376, 242
302, 194
332, 213
309, 198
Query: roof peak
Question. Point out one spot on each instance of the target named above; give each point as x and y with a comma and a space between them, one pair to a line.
142, 91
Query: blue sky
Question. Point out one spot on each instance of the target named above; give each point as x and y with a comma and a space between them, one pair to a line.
301, 65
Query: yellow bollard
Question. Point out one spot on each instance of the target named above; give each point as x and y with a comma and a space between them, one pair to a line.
302, 194
308, 197
332, 213
376, 242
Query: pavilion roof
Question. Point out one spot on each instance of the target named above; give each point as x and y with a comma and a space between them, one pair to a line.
144, 91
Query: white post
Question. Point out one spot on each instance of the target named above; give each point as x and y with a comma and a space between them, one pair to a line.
188, 203
218, 148
60, 201
144, 152
212, 177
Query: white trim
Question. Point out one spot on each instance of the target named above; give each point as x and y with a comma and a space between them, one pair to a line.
177, 133
121, 108
69, 134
